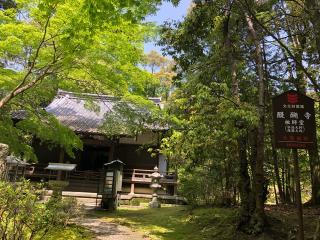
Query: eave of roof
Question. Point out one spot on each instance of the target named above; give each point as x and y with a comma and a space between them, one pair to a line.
69, 108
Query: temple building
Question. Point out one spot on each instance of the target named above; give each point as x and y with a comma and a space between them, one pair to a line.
87, 115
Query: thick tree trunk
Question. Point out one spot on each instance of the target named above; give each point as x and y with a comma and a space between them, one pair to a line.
247, 193
248, 202
243, 162
315, 176
253, 159
258, 171
247, 205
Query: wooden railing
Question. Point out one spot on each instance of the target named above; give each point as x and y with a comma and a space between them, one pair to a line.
129, 175
86, 175
143, 176
39, 171
79, 179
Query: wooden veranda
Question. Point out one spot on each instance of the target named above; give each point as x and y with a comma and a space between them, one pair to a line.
135, 181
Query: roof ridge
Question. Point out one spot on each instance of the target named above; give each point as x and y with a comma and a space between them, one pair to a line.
76, 95
97, 96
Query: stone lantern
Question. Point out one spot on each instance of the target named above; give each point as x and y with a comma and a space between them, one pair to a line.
155, 185
112, 184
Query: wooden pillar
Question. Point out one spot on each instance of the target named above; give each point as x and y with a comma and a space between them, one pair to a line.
132, 189
175, 186
132, 183
111, 153
61, 160
175, 192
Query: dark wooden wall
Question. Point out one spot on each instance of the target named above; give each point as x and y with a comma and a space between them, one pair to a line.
94, 156
134, 156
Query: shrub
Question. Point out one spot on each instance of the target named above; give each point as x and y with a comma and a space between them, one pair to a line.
135, 202
200, 187
22, 216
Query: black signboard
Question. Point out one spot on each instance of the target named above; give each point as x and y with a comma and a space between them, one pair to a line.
294, 120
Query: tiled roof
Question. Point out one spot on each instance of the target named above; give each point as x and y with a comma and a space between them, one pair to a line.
70, 110
18, 114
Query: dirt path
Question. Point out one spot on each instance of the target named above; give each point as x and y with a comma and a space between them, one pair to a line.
110, 231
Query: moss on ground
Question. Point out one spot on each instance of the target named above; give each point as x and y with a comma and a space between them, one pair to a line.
178, 222
70, 232
184, 223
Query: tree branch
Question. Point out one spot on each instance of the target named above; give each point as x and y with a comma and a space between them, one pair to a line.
286, 48
22, 87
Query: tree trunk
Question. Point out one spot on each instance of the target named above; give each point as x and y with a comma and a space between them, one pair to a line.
283, 177
227, 196
298, 200
313, 11
246, 195
275, 192
276, 169
259, 183
244, 186
287, 181
314, 161
315, 175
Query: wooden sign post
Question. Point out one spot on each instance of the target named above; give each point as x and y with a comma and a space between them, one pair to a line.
294, 127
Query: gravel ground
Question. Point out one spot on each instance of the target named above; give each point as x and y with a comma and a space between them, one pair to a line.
110, 231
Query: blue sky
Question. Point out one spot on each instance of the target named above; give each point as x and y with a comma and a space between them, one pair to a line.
167, 12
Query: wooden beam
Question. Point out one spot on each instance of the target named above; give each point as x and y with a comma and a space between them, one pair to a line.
111, 152
61, 160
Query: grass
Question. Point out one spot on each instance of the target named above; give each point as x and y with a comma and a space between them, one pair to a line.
184, 223
176, 222
70, 232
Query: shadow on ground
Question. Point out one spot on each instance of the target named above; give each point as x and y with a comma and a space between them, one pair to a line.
183, 223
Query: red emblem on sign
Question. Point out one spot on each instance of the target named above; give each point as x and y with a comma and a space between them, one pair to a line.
292, 98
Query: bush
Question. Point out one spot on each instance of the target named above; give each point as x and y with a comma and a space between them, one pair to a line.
200, 187
135, 202
22, 216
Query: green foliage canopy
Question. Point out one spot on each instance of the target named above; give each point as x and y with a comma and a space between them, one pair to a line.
82, 46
